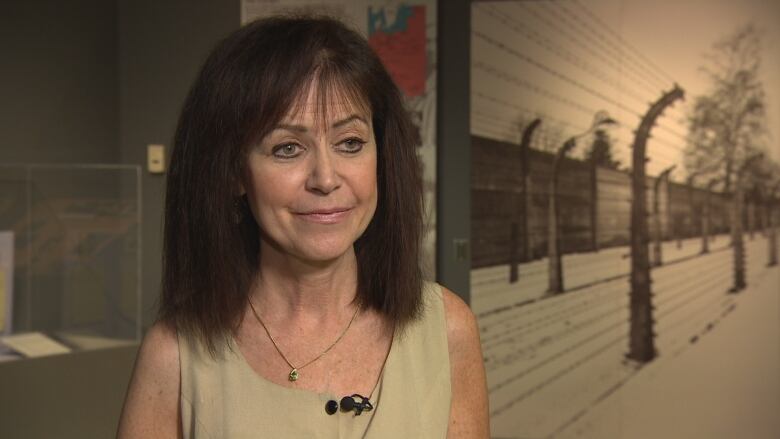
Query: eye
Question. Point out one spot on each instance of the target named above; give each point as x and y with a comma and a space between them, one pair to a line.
351, 145
287, 150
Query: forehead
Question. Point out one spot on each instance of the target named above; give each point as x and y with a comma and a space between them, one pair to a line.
323, 103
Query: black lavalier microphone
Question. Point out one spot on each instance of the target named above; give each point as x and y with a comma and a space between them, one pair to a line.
350, 403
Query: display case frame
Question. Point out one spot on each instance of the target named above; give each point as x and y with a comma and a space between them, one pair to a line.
76, 257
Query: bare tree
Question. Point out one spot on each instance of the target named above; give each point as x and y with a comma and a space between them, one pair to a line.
729, 123
763, 180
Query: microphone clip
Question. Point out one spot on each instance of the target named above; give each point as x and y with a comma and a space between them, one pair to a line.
350, 403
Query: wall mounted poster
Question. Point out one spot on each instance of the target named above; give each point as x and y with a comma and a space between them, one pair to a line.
600, 319
6, 280
403, 34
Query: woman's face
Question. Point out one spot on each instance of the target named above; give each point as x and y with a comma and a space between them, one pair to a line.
312, 180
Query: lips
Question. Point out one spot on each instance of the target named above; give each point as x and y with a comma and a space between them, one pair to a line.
325, 216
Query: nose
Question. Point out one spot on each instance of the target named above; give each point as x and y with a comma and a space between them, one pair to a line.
323, 176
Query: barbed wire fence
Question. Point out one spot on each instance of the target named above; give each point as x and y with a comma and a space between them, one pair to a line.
543, 321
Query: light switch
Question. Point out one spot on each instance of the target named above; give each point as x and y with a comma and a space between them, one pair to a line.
155, 155
461, 249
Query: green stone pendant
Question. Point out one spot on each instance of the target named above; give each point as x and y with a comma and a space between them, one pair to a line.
293, 375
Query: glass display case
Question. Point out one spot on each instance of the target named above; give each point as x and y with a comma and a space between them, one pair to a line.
70, 249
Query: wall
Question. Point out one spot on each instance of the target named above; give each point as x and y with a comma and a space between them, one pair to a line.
58, 82
95, 82
600, 341
161, 47
58, 104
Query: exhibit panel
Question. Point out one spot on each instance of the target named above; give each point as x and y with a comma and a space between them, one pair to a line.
625, 179
69, 258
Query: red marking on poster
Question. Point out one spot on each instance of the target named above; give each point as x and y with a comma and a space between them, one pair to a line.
401, 47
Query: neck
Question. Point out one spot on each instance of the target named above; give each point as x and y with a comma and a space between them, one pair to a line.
288, 288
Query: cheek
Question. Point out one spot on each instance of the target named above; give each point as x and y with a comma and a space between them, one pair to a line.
268, 190
368, 183
371, 198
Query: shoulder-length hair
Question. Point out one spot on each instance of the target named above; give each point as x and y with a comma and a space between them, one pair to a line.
246, 86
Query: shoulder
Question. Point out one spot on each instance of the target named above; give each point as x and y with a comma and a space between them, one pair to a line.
449, 309
151, 406
469, 410
158, 355
462, 328
461, 323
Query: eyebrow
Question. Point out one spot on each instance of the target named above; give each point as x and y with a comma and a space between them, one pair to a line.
337, 124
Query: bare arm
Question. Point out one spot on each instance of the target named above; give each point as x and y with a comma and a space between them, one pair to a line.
469, 415
152, 407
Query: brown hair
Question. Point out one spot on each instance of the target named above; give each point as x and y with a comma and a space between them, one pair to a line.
248, 83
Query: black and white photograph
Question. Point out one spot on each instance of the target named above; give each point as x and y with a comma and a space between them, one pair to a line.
625, 179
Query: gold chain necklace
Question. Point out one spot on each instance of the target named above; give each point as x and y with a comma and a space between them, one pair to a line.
293, 375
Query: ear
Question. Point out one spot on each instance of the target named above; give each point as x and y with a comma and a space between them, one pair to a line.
241, 187
242, 179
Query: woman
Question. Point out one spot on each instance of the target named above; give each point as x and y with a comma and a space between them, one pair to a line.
293, 303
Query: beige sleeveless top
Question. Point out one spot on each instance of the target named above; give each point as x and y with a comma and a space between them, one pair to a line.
226, 398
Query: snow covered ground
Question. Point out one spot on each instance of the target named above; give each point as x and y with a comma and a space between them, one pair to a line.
556, 364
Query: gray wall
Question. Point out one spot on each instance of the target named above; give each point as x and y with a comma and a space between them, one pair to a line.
453, 154
58, 82
162, 44
95, 81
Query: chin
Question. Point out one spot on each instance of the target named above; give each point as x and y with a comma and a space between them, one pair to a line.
325, 253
